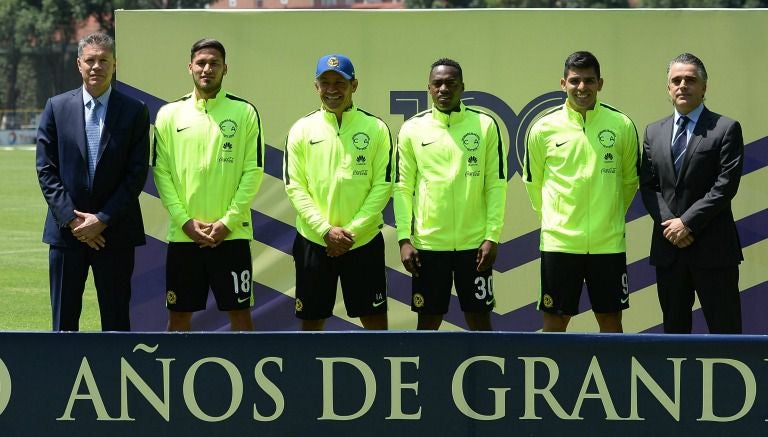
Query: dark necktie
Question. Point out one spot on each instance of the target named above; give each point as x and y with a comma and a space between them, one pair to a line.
680, 144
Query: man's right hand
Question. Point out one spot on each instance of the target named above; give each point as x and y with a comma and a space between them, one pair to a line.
199, 232
409, 257
95, 242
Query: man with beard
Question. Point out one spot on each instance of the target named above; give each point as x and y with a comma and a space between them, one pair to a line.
208, 165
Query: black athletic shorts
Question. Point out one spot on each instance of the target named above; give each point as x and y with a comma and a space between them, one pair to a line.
190, 270
564, 274
362, 273
440, 270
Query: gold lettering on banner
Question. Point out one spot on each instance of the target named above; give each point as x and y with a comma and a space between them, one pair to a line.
672, 405
85, 374
369, 379
457, 390
595, 373
707, 388
236, 382
531, 391
128, 373
397, 387
5, 386
269, 388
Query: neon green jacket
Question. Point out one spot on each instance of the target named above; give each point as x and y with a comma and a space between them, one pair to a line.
581, 177
451, 183
208, 162
338, 175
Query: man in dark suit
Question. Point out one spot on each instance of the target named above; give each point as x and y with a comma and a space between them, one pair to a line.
92, 162
690, 173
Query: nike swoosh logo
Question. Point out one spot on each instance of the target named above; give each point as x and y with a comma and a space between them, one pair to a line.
625, 300
490, 302
313, 142
179, 129
560, 144
378, 304
243, 299
426, 144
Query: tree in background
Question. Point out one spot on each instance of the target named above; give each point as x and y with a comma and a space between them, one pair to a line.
702, 3
419, 4
38, 37
103, 10
34, 42
38, 43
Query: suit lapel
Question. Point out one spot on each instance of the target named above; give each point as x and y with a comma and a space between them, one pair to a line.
77, 109
702, 125
110, 118
664, 147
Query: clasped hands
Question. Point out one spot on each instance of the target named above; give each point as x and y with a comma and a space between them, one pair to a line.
338, 241
677, 233
87, 228
205, 234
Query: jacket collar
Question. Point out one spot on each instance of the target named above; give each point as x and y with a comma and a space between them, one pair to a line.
451, 118
204, 105
346, 117
575, 116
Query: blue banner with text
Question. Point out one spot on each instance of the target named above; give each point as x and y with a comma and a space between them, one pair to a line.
381, 384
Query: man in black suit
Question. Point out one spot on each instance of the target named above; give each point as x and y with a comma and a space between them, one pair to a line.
690, 173
92, 161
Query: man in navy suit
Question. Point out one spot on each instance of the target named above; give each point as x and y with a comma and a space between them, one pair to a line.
92, 162
690, 173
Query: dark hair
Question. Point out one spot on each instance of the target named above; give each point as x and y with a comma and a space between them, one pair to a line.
448, 63
581, 60
99, 39
687, 58
208, 43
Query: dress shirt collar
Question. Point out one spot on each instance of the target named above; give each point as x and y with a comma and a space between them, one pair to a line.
103, 99
693, 116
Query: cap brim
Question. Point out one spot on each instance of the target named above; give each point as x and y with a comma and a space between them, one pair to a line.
345, 75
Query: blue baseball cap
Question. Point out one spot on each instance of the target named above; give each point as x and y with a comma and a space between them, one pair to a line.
338, 63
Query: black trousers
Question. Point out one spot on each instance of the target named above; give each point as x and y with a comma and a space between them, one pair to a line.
718, 291
112, 271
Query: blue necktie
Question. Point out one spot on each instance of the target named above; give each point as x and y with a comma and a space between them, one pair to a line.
680, 144
92, 134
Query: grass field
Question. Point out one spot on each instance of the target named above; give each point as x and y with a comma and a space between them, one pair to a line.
24, 297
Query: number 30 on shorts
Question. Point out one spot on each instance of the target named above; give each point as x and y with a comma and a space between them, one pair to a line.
484, 287
242, 282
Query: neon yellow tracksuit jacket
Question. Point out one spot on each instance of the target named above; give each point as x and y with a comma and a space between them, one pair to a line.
338, 175
581, 177
451, 183
209, 162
